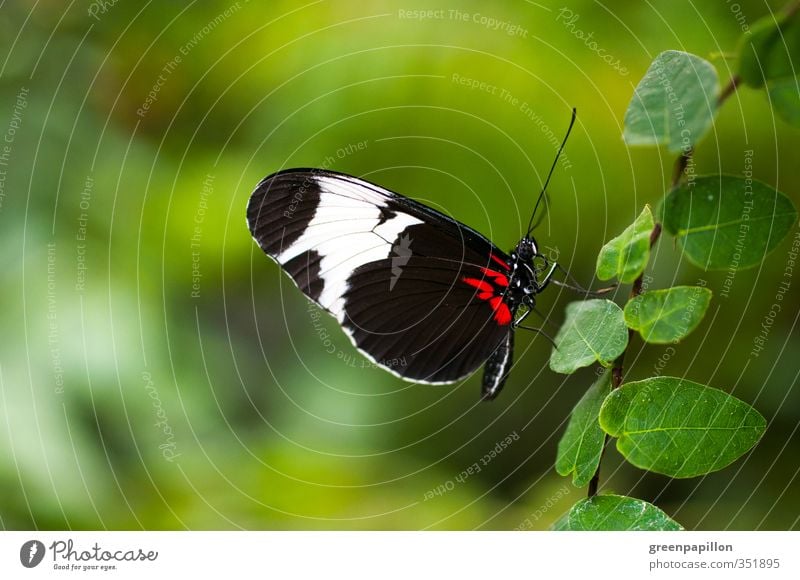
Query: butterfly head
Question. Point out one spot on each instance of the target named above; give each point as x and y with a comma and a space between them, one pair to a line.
526, 249
531, 270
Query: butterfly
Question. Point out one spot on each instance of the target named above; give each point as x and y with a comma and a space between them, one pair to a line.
418, 293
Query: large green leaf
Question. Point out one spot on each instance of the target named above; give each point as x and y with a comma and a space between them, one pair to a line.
674, 104
723, 222
771, 51
785, 97
678, 427
594, 331
626, 255
581, 446
664, 316
616, 513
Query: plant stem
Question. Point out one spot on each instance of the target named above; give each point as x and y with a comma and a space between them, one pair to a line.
681, 164
729, 89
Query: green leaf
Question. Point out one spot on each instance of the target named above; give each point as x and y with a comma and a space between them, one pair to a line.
674, 104
724, 222
581, 446
785, 97
679, 428
771, 50
616, 513
626, 255
594, 331
664, 316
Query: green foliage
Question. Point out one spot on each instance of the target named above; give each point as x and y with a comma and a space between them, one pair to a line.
768, 58
594, 331
771, 51
616, 513
581, 447
674, 104
784, 94
723, 222
679, 428
668, 425
626, 256
664, 316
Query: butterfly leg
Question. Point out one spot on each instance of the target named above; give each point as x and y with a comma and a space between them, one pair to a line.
575, 286
542, 332
522, 317
548, 277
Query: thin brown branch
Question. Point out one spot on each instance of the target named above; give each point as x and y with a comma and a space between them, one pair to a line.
729, 89
680, 166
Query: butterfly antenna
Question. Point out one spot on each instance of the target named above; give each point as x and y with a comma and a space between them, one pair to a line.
549, 175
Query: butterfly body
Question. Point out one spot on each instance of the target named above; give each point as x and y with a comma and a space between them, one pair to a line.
419, 293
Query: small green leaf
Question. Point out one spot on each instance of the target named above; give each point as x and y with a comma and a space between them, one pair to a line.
594, 331
724, 222
664, 316
581, 446
771, 50
785, 97
626, 255
674, 104
616, 513
678, 427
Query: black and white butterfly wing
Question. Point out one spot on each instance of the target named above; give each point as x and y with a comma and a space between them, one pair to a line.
417, 292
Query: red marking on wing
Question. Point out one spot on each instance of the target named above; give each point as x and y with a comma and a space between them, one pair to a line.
503, 315
482, 285
500, 261
501, 312
499, 278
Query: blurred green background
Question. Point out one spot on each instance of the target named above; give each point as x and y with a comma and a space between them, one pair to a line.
158, 371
